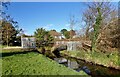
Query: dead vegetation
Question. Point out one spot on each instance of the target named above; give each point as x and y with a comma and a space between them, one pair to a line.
109, 38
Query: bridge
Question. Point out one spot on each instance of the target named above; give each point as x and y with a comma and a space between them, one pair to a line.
70, 46
73, 45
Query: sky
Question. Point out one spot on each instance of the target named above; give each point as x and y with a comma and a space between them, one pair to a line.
64, 0
49, 15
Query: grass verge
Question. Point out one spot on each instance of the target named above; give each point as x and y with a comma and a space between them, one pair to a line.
34, 64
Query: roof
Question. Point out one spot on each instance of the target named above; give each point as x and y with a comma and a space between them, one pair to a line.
72, 32
54, 33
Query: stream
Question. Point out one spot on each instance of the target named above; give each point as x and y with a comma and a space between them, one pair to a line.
90, 68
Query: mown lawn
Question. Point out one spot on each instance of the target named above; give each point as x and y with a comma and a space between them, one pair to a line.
33, 63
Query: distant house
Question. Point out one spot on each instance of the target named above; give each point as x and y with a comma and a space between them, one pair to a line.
72, 34
55, 35
28, 42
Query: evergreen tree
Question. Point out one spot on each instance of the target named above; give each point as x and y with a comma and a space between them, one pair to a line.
43, 38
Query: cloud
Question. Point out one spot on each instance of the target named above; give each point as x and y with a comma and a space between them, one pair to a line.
49, 26
67, 25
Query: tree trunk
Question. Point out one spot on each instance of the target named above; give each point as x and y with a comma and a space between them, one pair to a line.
96, 30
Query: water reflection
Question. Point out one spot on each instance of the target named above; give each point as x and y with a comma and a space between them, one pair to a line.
73, 64
89, 68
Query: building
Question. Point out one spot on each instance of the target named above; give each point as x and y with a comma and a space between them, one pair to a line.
55, 35
28, 42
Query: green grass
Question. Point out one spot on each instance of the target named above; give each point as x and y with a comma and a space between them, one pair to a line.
17, 50
34, 64
2, 46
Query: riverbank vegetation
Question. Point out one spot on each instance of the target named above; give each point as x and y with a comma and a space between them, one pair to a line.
34, 64
108, 59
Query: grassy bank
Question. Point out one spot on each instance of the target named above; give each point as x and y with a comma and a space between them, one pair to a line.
34, 64
108, 60
16, 50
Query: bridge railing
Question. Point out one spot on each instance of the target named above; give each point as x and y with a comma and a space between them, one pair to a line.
71, 45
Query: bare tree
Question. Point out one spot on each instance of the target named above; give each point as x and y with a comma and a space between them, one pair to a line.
108, 12
72, 22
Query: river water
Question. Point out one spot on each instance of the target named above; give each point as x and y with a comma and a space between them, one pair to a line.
89, 68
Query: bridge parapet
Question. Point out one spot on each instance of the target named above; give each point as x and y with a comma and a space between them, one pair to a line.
72, 45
